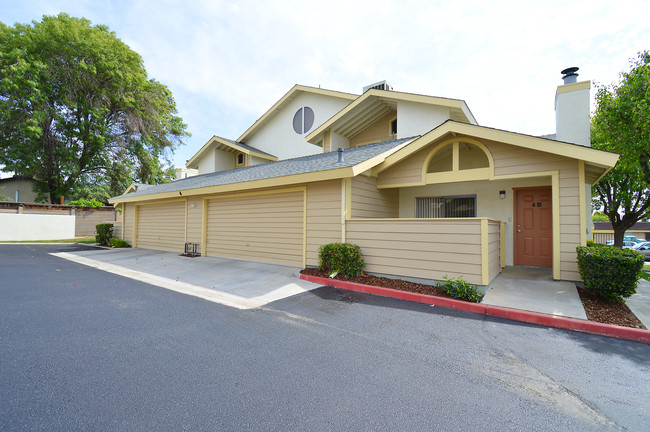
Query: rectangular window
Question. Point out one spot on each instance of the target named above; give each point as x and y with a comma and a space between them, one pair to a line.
446, 207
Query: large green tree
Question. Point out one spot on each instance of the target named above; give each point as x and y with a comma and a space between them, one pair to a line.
78, 112
621, 124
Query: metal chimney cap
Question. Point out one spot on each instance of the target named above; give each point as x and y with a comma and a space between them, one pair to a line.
570, 70
569, 75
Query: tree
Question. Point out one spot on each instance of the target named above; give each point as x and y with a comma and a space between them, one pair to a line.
621, 124
77, 109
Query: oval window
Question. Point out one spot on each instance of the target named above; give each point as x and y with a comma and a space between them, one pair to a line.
303, 120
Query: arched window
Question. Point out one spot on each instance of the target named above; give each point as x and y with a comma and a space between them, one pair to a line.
458, 160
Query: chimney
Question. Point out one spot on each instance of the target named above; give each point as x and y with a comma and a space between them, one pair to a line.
572, 122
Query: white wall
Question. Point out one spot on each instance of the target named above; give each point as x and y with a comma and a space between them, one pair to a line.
206, 163
278, 138
572, 122
417, 119
339, 141
488, 203
36, 227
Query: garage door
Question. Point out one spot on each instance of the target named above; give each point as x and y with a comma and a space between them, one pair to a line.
266, 228
162, 226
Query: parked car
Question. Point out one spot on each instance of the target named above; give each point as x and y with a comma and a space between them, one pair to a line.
627, 244
644, 248
631, 238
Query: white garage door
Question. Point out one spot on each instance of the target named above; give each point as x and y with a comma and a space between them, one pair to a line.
162, 226
266, 228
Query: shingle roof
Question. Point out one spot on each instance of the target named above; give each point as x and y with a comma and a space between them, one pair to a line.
286, 167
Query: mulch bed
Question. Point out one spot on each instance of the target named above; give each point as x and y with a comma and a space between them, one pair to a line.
606, 311
597, 308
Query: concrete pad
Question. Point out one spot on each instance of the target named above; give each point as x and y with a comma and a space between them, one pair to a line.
237, 283
533, 289
639, 303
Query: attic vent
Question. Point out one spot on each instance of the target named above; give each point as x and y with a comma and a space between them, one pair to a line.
381, 85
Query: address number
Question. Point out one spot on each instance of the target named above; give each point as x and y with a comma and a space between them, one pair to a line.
537, 204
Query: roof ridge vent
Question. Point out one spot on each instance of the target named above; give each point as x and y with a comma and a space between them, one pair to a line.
381, 85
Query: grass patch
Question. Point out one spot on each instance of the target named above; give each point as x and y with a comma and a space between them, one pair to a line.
85, 240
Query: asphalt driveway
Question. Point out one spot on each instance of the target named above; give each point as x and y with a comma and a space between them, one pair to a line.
84, 349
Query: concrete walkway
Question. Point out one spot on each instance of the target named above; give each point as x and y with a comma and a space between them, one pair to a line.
533, 289
235, 283
639, 303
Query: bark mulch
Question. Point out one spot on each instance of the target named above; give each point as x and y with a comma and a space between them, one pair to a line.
607, 311
597, 308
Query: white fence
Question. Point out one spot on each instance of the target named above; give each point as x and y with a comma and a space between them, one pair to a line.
15, 227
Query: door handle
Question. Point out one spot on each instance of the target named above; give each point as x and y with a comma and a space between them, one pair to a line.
518, 230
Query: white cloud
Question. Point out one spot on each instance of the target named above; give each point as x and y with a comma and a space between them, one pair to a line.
228, 61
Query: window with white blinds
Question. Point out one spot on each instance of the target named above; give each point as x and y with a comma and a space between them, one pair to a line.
446, 207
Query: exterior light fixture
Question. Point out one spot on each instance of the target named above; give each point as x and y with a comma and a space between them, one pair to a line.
502, 194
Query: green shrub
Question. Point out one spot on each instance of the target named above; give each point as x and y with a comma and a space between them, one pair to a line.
462, 290
104, 233
92, 203
343, 258
591, 243
119, 243
610, 271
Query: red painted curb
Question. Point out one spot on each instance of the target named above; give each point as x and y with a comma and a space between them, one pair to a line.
555, 321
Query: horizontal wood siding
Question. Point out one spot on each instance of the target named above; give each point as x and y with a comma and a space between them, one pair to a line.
323, 216
377, 132
514, 160
370, 202
509, 160
265, 227
127, 225
194, 219
428, 249
407, 171
162, 226
494, 249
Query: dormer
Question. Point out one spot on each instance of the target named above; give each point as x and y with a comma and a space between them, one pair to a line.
221, 154
382, 115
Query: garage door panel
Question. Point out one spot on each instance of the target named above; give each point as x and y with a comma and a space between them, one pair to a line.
162, 226
265, 228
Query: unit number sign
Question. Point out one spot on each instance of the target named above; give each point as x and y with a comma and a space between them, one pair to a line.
537, 204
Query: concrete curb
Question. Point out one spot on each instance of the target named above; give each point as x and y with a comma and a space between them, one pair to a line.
574, 324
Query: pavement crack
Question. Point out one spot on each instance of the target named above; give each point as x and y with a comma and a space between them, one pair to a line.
512, 372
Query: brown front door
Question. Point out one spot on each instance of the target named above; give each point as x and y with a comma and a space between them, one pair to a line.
533, 227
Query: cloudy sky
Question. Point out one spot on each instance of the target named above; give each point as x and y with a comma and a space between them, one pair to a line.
227, 62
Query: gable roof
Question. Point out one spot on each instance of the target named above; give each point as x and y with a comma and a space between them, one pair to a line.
601, 161
291, 94
374, 104
321, 166
225, 144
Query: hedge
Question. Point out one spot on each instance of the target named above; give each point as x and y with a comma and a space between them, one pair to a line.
104, 233
610, 271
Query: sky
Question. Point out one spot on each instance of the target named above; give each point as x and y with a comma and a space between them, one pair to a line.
227, 62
